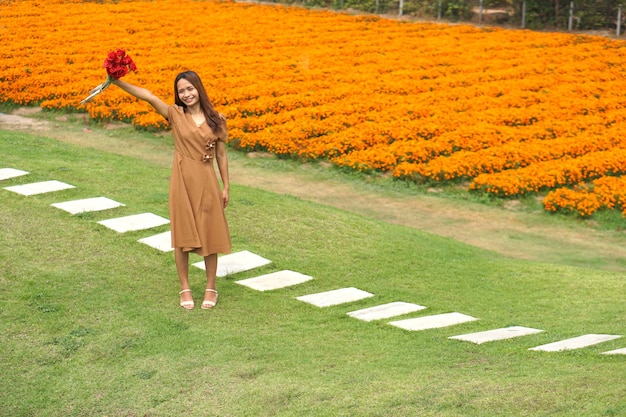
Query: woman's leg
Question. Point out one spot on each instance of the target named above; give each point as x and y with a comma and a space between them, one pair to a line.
210, 264
182, 267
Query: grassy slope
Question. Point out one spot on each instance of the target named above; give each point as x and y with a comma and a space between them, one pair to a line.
519, 229
91, 324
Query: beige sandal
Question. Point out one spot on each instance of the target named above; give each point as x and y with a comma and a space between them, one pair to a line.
187, 305
206, 304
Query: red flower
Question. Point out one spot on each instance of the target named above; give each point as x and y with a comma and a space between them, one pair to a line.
118, 64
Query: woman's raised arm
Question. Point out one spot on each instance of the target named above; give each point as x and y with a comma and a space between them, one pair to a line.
143, 94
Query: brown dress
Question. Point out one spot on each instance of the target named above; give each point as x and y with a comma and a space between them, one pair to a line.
197, 216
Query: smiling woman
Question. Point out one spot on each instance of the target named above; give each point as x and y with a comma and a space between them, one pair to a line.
509, 112
198, 221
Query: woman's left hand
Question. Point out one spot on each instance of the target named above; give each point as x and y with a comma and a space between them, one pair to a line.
225, 198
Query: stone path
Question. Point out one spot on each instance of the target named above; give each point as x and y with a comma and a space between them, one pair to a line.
236, 262
496, 334
39, 187
244, 261
6, 173
275, 280
161, 241
576, 342
385, 311
433, 322
134, 222
87, 204
621, 351
334, 297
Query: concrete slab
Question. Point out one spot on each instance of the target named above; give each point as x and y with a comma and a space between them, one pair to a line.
39, 187
275, 280
621, 351
576, 342
87, 204
134, 222
433, 322
162, 241
385, 311
6, 173
334, 297
236, 262
496, 334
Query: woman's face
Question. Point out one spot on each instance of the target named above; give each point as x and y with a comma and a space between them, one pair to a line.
187, 93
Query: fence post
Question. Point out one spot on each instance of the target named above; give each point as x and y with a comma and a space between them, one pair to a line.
401, 6
439, 11
377, 3
524, 14
570, 21
480, 11
619, 20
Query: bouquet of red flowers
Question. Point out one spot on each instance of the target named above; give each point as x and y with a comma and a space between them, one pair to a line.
117, 65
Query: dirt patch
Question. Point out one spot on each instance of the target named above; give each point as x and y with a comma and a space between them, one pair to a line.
509, 231
18, 122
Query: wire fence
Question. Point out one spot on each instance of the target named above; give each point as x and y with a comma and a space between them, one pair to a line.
579, 15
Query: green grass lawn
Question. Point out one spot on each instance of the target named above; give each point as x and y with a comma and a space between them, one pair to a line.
91, 324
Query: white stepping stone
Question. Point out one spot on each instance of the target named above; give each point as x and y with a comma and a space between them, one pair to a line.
433, 322
162, 241
134, 222
496, 334
621, 351
236, 262
334, 297
385, 311
87, 204
280, 279
39, 187
6, 173
576, 342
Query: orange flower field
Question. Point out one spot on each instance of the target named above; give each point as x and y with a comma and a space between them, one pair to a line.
510, 112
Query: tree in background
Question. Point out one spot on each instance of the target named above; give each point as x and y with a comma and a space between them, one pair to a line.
540, 14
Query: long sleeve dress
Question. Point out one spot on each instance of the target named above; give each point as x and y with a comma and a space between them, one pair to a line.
197, 217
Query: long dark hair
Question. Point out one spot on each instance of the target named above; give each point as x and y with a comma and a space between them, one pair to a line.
212, 117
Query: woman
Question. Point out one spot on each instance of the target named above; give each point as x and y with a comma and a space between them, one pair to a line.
198, 222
